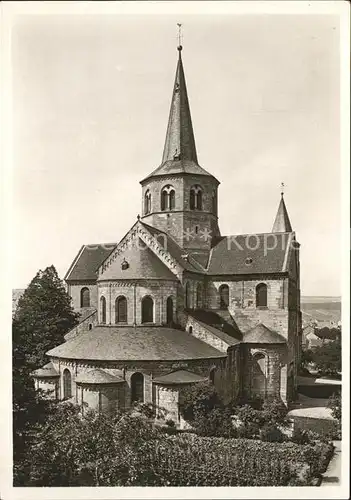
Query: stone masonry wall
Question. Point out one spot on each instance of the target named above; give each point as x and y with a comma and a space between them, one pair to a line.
159, 290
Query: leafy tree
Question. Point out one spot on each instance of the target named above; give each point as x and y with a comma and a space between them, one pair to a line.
42, 317
327, 358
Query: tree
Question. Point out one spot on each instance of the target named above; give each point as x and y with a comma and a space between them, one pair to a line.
198, 399
327, 358
42, 317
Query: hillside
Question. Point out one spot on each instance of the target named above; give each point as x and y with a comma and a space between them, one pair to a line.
323, 309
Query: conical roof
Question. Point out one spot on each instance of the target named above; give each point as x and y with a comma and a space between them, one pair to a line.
282, 222
179, 153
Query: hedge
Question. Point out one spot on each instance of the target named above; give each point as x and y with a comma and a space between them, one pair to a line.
190, 460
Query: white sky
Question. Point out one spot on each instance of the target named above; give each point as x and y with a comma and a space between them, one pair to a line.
91, 99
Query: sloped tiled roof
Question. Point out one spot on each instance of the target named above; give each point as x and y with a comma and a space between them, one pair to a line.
178, 167
176, 251
89, 258
261, 334
179, 377
139, 343
98, 376
220, 327
250, 254
47, 370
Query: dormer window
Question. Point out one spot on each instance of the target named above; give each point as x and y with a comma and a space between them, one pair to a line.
168, 198
196, 198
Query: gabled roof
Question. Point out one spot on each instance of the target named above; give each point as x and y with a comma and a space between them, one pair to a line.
189, 264
179, 153
282, 222
261, 334
111, 343
98, 376
47, 371
88, 260
179, 377
263, 253
218, 325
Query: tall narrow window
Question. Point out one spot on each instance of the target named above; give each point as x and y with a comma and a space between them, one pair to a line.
121, 310
261, 295
147, 310
147, 202
258, 375
196, 198
199, 296
169, 310
212, 375
67, 384
102, 310
214, 203
172, 200
224, 296
187, 296
85, 297
137, 387
168, 198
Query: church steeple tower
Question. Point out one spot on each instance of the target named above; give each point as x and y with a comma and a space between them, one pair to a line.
282, 222
180, 197
180, 141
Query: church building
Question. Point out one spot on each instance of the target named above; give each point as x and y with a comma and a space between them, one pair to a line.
175, 302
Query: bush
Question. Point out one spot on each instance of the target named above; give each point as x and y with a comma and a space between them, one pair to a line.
198, 400
170, 423
272, 434
217, 422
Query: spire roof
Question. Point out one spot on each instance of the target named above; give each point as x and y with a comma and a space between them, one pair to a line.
282, 222
179, 153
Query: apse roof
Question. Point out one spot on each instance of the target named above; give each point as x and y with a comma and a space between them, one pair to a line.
151, 343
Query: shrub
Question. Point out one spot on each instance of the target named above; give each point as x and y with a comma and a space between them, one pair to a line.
170, 423
198, 400
275, 413
217, 422
272, 434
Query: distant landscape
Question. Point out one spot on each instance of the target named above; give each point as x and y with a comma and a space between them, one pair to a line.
321, 308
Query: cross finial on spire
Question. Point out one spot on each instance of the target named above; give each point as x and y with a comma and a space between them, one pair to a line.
179, 36
282, 186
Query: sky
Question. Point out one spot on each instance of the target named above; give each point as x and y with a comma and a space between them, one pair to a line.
91, 98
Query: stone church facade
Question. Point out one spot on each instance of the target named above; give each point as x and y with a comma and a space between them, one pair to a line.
175, 302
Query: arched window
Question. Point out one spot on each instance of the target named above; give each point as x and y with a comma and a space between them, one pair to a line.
187, 296
147, 310
90, 326
85, 297
190, 329
169, 310
224, 296
172, 199
102, 310
121, 309
261, 295
258, 374
168, 198
199, 296
212, 375
147, 202
137, 387
196, 198
67, 384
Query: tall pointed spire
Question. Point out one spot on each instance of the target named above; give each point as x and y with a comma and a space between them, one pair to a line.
282, 222
180, 142
179, 152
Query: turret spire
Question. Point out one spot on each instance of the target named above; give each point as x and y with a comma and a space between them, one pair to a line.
282, 222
